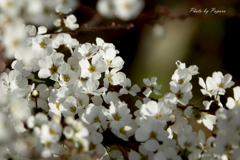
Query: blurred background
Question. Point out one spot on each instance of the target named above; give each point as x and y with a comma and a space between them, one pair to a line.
153, 46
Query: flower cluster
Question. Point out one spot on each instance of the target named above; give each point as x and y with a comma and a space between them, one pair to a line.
63, 99
14, 14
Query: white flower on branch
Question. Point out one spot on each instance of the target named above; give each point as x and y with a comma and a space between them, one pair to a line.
151, 132
67, 76
157, 111
95, 115
94, 68
231, 103
128, 89
69, 107
182, 92
70, 22
87, 50
119, 115
110, 57
152, 86
113, 77
41, 97
49, 66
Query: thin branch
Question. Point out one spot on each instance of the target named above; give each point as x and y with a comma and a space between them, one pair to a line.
144, 18
37, 109
110, 139
140, 94
94, 29
123, 153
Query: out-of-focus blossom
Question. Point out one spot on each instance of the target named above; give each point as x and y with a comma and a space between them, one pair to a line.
122, 9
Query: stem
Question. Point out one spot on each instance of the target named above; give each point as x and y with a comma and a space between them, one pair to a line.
140, 94
102, 128
123, 153
110, 139
93, 29
36, 105
108, 152
199, 100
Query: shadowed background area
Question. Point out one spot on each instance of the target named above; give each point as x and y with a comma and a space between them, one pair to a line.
208, 41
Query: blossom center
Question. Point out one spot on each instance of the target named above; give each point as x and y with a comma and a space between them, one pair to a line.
221, 85
15, 43
96, 119
88, 54
51, 131
43, 44
152, 135
73, 109
116, 117
47, 144
46, 10
127, 5
180, 81
158, 115
227, 147
53, 69
179, 95
122, 130
57, 105
110, 77
128, 88
236, 102
151, 87
92, 146
9, 4
109, 63
84, 79
66, 78
92, 68
186, 144
80, 101
144, 157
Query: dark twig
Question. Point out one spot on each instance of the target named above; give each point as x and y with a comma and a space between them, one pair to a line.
93, 29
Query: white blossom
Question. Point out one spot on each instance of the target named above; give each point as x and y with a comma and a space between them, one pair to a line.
182, 92
120, 115
155, 110
128, 89
152, 86
94, 68
151, 132
233, 102
49, 66
70, 22
69, 107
